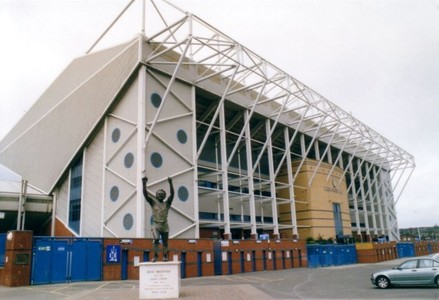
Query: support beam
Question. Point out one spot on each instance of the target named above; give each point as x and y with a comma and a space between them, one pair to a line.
251, 188
141, 153
291, 184
272, 179
224, 169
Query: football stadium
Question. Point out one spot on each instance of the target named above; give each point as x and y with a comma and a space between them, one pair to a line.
253, 152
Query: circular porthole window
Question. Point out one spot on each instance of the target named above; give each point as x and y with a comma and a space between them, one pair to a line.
183, 193
128, 221
182, 136
115, 136
114, 193
156, 160
156, 100
129, 160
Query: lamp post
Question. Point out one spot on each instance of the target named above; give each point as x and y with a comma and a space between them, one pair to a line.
419, 231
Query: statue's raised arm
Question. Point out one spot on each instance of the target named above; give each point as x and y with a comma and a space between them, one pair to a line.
145, 191
171, 192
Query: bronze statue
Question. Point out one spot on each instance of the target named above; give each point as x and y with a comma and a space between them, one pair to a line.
160, 208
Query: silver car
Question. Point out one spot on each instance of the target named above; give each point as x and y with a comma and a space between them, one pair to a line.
419, 271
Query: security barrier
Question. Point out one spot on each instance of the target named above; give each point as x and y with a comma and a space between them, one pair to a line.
331, 255
2, 249
426, 248
405, 250
64, 259
376, 252
241, 256
196, 257
58, 260
205, 257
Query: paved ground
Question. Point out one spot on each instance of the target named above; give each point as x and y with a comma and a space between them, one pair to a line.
344, 282
126, 290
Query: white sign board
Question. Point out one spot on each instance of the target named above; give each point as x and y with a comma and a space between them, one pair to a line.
159, 280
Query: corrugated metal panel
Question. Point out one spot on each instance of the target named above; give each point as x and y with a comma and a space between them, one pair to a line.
43, 151
75, 74
172, 141
122, 224
128, 110
124, 201
91, 204
62, 202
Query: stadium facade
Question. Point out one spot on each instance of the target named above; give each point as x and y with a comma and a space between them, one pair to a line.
253, 152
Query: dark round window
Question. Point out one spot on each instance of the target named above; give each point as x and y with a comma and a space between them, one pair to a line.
183, 193
114, 193
129, 160
128, 221
156, 100
115, 136
156, 160
182, 136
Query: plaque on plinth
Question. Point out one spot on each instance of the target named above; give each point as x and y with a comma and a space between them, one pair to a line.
159, 280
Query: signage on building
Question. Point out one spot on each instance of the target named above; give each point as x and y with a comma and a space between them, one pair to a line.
113, 253
333, 188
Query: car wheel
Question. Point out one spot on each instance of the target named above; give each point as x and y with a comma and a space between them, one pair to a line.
382, 282
436, 280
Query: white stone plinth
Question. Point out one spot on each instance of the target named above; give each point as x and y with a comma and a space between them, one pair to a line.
159, 280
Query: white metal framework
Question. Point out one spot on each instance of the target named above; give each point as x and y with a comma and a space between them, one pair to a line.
252, 128
279, 121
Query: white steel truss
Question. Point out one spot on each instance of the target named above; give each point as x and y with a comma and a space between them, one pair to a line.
190, 49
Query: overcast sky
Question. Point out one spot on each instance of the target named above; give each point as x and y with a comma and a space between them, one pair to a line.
378, 60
